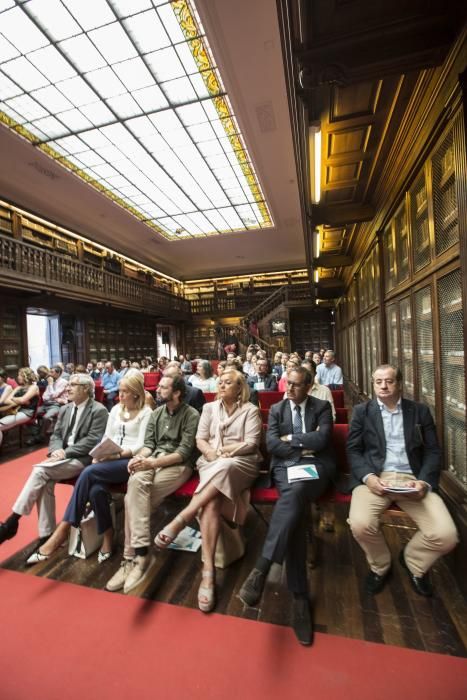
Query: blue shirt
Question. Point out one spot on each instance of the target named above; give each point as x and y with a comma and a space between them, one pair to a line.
110, 381
329, 375
396, 454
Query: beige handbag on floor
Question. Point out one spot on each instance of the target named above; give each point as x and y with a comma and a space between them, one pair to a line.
84, 539
230, 546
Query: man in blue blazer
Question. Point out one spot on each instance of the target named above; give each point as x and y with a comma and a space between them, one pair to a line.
395, 457
299, 433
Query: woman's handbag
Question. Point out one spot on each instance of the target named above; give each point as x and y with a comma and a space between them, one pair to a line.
84, 540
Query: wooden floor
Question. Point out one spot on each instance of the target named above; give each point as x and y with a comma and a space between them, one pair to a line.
396, 616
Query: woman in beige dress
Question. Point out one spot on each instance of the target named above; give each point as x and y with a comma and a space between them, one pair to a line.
228, 438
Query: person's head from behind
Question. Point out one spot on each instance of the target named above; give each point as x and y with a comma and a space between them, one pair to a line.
43, 372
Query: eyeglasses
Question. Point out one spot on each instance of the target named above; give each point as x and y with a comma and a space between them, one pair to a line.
295, 385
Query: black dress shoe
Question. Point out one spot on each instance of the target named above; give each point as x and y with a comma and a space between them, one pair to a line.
420, 584
8, 529
375, 583
302, 622
252, 587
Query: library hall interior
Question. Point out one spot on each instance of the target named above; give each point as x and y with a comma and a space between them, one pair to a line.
233, 280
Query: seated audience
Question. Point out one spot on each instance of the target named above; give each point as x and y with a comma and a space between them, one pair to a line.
68, 370
231, 343
316, 358
228, 438
393, 444
5, 388
193, 396
263, 380
163, 464
54, 397
319, 391
328, 372
43, 373
126, 426
203, 378
110, 379
22, 402
80, 426
185, 365
291, 364
248, 367
277, 368
124, 367
299, 433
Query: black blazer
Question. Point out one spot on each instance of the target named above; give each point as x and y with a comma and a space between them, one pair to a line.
91, 428
366, 445
317, 415
194, 397
270, 382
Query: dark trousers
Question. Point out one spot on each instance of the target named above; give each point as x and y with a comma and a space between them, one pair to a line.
91, 487
286, 536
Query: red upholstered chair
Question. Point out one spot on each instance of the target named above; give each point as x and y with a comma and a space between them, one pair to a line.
268, 398
99, 393
151, 380
338, 397
342, 415
187, 489
264, 415
209, 396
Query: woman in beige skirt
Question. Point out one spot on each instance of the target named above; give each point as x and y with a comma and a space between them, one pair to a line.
228, 438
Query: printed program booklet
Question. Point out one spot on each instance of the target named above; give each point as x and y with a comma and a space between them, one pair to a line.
302, 472
105, 447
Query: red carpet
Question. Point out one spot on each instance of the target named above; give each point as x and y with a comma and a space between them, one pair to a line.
62, 640
13, 474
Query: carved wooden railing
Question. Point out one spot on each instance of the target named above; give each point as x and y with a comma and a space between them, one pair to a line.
24, 266
248, 303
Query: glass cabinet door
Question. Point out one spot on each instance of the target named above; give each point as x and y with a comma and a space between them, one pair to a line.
419, 223
453, 372
444, 196
407, 347
425, 354
392, 334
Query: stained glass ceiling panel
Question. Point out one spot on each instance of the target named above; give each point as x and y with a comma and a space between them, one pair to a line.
126, 94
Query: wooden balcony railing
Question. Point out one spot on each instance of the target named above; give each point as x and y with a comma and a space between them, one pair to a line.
250, 303
24, 266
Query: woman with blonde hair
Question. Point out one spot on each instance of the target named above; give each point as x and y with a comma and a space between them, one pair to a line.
21, 403
126, 427
228, 437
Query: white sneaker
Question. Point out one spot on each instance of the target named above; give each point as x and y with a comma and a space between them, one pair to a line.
140, 569
118, 579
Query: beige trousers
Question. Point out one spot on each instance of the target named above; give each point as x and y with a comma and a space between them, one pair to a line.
145, 492
436, 534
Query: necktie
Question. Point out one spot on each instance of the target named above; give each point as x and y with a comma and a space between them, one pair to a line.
296, 428
71, 425
297, 420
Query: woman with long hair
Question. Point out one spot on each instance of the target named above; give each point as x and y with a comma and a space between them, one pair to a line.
228, 437
21, 403
126, 427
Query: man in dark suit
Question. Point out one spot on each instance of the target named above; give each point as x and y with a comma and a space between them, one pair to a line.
299, 433
80, 426
263, 380
395, 457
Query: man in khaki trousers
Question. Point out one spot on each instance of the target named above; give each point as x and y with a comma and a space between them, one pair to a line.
160, 467
395, 458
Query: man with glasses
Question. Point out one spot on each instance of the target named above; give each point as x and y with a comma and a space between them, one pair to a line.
299, 434
80, 426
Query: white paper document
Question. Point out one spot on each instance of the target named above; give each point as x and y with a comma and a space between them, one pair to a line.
400, 489
105, 447
302, 472
188, 540
52, 463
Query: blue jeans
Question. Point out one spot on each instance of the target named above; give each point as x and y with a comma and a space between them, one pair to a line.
91, 486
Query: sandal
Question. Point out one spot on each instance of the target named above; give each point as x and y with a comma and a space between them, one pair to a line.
207, 593
103, 556
167, 535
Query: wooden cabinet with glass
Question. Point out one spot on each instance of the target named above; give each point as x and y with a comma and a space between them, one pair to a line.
444, 196
406, 361
425, 352
450, 308
419, 220
10, 339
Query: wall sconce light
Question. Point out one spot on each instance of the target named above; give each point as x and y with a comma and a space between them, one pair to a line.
316, 243
316, 276
314, 141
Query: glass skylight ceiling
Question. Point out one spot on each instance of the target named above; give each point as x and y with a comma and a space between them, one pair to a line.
126, 94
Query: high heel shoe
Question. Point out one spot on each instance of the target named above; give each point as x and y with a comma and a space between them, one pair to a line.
103, 556
207, 592
36, 557
167, 535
